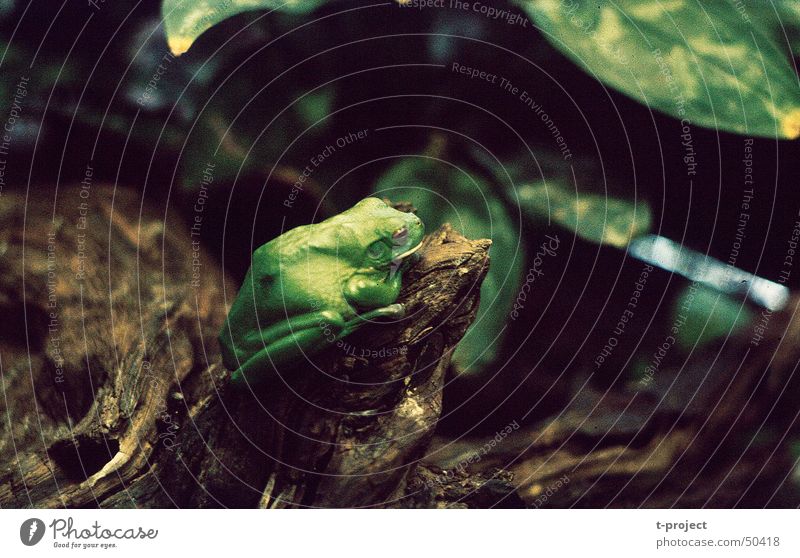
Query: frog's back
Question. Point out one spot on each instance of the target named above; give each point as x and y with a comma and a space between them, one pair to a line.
296, 277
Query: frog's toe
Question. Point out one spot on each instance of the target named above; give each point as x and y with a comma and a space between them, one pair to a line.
396, 310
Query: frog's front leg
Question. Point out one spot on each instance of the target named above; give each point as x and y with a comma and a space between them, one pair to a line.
367, 292
391, 311
286, 342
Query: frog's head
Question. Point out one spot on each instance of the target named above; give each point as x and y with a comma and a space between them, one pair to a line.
385, 236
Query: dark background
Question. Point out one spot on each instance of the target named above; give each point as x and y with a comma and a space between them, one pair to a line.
89, 66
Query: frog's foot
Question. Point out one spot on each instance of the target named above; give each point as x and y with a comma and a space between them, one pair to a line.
397, 310
394, 311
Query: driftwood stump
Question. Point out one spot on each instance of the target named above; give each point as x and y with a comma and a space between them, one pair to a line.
111, 373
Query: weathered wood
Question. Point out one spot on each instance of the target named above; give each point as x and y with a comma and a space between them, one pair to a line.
105, 342
110, 369
112, 381
347, 433
711, 432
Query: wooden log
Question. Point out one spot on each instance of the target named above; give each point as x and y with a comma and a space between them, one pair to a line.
110, 369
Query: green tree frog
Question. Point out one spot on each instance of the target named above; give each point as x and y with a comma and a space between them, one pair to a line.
315, 284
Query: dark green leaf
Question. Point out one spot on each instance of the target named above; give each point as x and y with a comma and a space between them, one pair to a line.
703, 315
701, 61
593, 217
185, 20
782, 17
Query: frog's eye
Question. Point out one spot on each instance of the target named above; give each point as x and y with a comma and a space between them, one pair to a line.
378, 250
400, 236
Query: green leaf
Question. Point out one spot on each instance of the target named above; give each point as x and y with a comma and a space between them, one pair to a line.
314, 106
593, 217
781, 17
794, 450
701, 61
185, 20
702, 315
445, 194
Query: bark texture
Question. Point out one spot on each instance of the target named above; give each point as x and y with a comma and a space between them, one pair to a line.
115, 395
713, 432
